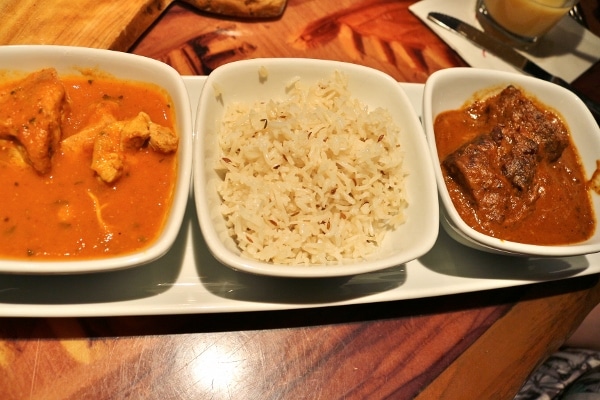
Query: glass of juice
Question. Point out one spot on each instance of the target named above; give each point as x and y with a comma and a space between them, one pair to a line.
521, 23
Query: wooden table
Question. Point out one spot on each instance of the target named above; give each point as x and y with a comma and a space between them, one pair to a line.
479, 345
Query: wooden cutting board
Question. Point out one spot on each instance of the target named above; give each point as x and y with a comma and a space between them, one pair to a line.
107, 24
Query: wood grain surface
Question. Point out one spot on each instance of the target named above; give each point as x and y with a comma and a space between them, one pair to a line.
383, 351
480, 345
533, 329
382, 34
106, 24
477, 345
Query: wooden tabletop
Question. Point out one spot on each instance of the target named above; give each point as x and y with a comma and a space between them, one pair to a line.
479, 345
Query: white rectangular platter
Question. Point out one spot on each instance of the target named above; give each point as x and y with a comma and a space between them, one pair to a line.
189, 280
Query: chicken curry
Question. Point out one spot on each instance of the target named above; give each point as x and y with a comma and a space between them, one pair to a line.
513, 172
87, 165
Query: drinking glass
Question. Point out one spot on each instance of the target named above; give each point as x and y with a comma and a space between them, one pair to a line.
521, 23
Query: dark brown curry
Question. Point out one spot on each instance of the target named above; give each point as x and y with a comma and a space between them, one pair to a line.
513, 172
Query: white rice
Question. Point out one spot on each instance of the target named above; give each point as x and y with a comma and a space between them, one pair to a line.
316, 178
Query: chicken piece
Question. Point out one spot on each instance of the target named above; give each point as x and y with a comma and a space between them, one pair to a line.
31, 113
107, 157
140, 130
136, 132
119, 136
163, 139
102, 115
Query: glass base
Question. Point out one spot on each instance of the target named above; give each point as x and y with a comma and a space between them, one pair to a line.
491, 27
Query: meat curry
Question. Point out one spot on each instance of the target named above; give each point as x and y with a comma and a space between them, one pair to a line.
87, 165
513, 172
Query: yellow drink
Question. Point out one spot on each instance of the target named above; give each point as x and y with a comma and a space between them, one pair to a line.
527, 18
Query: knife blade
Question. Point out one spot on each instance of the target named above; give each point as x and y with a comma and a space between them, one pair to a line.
508, 54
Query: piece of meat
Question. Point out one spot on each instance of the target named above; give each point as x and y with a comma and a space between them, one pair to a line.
141, 130
31, 112
475, 168
136, 132
107, 158
102, 115
497, 170
163, 139
110, 139
520, 115
518, 157
497, 175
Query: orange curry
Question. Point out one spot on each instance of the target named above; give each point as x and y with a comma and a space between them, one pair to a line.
87, 165
513, 172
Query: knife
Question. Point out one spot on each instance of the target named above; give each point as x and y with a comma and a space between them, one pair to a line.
508, 54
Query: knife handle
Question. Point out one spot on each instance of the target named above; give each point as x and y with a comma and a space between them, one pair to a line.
592, 105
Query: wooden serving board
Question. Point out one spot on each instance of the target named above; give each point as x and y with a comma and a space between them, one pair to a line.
107, 24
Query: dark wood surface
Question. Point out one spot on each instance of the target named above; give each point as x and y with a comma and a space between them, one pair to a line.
477, 345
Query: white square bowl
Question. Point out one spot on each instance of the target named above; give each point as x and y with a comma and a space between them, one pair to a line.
451, 89
242, 81
69, 60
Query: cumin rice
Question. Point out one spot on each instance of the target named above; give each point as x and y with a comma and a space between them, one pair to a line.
316, 178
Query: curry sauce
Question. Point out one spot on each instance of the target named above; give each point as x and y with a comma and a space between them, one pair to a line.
513, 172
69, 211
